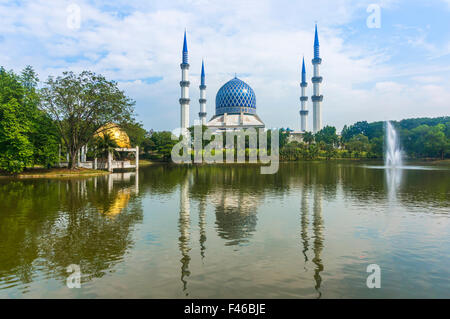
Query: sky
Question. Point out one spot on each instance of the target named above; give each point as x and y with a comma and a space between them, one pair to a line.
389, 66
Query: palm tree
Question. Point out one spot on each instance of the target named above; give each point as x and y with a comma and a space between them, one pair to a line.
308, 137
103, 145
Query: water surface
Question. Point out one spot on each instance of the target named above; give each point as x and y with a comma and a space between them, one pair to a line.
309, 231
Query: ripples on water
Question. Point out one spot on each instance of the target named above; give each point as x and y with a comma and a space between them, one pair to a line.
227, 231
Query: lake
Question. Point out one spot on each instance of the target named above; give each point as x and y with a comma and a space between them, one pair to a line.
226, 231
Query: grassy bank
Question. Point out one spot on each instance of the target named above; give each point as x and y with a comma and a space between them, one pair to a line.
145, 162
54, 172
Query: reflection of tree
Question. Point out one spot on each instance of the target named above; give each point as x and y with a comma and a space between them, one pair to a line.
202, 227
56, 223
415, 188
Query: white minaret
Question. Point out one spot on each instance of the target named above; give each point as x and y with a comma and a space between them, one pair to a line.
303, 110
316, 80
184, 100
202, 100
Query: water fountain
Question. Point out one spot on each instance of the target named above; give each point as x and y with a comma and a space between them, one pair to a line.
393, 154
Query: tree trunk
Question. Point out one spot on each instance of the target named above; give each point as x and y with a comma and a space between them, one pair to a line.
73, 159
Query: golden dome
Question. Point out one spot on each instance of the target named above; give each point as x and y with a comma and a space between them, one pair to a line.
116, 134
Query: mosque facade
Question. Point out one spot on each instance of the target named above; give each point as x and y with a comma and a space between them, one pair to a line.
235, 103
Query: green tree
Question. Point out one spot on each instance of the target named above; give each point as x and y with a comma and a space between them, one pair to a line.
163, 143
16, 151
136, 132
358, 144
353, 130
43, 133
82, 104
376, 147
430, 141
327, 135
104, 145
308, 138
330, 151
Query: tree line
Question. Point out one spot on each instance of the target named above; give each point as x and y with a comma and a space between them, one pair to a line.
419, 138
40, 121
36, 124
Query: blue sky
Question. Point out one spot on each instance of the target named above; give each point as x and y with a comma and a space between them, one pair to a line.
399, 70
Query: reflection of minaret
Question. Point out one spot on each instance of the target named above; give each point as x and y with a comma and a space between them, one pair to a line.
184, 225
304, 222
202, 227
318, 238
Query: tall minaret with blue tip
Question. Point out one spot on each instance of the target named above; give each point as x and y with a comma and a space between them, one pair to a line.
303, 110
184, 100
316, 80
202, 100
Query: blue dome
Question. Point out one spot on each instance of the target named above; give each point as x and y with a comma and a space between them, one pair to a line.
235, 96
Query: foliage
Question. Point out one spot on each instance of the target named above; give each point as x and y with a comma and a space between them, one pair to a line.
327, 135
81, 104
136, 132
308, 137
163, 143
27, 135
103, 145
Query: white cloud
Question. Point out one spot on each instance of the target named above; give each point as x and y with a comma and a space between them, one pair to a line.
262, 41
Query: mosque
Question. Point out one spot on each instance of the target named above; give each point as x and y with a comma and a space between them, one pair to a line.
236, 100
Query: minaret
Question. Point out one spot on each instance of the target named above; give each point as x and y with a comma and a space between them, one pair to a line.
202, 100
184, 100
303, 110
316, 80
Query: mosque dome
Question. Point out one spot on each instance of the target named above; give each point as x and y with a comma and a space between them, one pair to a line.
115, 133
235, 96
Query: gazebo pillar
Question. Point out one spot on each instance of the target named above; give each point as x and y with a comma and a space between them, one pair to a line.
110, 168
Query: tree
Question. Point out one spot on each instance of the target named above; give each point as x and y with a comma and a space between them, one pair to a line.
327, 135
308, 138
81, 105
104, 145
330, 151
136, 133
163, 143
430, 141
16, 150
284, 136
376, 146
43, 133
313, 151
355, 129
358, 144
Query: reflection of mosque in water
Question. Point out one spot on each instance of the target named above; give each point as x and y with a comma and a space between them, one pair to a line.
103, 205
317, 231
236, 219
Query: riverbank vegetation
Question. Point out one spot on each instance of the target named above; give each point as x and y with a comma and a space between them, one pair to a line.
41, 122
37, 125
